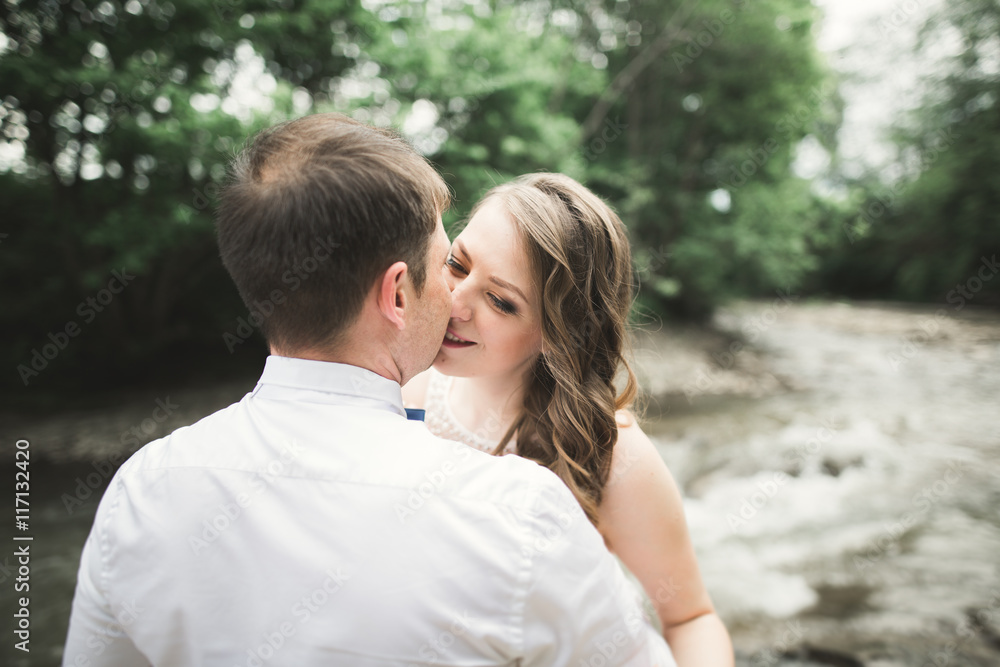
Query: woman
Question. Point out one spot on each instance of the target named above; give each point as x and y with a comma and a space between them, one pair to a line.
541, 280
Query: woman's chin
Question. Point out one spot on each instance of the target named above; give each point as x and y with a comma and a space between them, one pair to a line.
441, 362
446, 364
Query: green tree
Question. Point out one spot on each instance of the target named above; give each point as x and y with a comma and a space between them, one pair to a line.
120, 115
656, 106
716, 96
504, 84
928, 236
119, 118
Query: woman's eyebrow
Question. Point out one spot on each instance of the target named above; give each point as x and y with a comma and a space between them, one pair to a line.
507, 285
493, 279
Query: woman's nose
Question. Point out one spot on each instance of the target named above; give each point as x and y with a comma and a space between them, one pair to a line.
459, 308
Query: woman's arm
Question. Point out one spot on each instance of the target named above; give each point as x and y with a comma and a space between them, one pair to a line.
642, 520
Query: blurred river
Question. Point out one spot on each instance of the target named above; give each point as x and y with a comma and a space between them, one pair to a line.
840, 465
842, 481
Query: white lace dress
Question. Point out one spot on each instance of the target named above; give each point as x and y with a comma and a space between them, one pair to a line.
441, 420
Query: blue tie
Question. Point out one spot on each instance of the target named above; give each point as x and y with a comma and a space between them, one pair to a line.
413, 414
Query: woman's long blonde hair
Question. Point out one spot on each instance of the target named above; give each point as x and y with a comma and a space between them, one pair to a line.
580, 257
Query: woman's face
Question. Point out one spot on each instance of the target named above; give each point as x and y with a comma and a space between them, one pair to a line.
495, 325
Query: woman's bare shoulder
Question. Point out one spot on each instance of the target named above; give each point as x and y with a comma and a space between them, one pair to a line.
633, 447
626, 419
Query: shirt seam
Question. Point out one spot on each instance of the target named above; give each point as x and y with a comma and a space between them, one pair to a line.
525, 572
385, 405
104, 541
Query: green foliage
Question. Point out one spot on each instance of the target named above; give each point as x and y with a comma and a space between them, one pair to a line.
128, 110
116, 108
505, 94
923, 237
654, 108
721, 102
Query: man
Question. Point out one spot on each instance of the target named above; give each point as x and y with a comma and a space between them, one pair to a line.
313, 524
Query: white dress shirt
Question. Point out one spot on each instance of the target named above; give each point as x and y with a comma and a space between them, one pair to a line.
313, 524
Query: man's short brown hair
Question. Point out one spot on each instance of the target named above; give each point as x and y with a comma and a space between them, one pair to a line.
315, 210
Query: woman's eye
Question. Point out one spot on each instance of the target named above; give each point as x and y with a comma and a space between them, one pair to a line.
453, 265
502, 305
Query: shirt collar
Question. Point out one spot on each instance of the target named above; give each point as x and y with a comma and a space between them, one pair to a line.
327, 377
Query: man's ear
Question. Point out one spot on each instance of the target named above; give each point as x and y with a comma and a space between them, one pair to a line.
391, 297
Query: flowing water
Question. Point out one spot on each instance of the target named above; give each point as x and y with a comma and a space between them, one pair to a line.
840, 465
845, 499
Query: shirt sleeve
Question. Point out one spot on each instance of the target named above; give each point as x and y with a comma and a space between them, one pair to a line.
579, 608
97, 632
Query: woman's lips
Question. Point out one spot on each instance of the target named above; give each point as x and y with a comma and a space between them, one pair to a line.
453, 341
